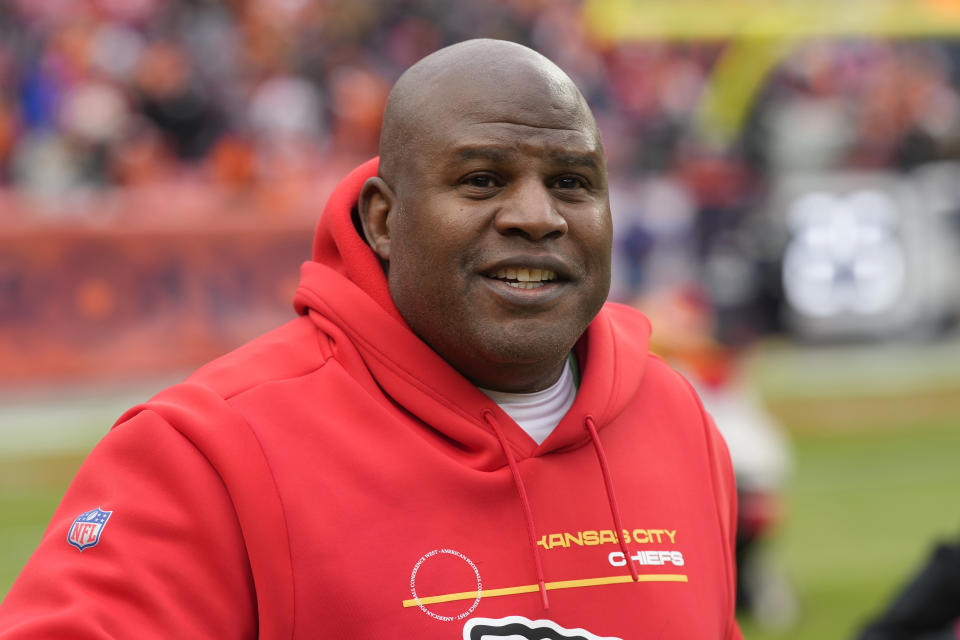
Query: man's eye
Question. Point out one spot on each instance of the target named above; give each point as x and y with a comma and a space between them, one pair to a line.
569, 182
482, 181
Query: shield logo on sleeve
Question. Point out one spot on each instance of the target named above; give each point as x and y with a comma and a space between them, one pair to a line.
86, 529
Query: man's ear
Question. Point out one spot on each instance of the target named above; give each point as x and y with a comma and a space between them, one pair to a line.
377, 202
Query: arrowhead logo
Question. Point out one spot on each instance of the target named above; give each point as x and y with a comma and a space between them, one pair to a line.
520, 627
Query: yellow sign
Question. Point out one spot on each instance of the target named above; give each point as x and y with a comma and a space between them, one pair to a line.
760, 33
620, 20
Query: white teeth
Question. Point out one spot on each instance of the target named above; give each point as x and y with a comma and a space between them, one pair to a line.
524, 275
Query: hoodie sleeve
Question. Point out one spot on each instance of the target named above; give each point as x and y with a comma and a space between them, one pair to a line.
169, 561
726, 497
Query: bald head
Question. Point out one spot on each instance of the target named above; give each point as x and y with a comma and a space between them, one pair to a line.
478, 80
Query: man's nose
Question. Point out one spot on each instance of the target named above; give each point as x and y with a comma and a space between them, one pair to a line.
530, 210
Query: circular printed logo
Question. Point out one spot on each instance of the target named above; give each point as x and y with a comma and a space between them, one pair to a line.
431, 579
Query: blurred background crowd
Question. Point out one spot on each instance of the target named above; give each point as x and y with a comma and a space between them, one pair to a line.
162, 164
134, 111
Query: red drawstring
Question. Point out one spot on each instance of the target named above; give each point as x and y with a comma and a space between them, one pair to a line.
608, 482
525, 502
528, 511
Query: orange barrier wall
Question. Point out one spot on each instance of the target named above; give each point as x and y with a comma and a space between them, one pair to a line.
135, 299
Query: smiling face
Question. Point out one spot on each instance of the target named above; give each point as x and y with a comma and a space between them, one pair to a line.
495, 224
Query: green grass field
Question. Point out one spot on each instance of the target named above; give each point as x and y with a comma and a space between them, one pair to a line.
864, 509
876, 438
876, 481
30, 489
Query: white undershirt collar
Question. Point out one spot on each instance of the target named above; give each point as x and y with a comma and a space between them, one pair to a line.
538, 413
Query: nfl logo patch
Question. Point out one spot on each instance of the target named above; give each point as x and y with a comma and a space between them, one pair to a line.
86, 529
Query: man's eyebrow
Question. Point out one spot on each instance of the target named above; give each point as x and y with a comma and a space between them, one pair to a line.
586, 160
494, 154
499, 154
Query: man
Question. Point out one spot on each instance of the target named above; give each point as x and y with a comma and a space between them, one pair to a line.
455, 439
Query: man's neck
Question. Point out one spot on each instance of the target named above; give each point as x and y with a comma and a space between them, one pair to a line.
515, 378
539, 413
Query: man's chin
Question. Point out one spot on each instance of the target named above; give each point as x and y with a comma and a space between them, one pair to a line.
526, 349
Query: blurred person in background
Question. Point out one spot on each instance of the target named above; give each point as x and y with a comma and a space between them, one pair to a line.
456, 425
928, 606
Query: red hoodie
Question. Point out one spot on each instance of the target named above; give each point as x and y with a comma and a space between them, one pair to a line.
336, 478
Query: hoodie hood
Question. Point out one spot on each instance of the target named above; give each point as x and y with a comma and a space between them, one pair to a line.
344, 291
339, 244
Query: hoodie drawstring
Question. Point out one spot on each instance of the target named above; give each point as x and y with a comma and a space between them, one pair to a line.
525, 502
528, 511
608, 482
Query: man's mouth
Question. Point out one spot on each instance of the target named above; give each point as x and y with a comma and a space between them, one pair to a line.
523, 277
